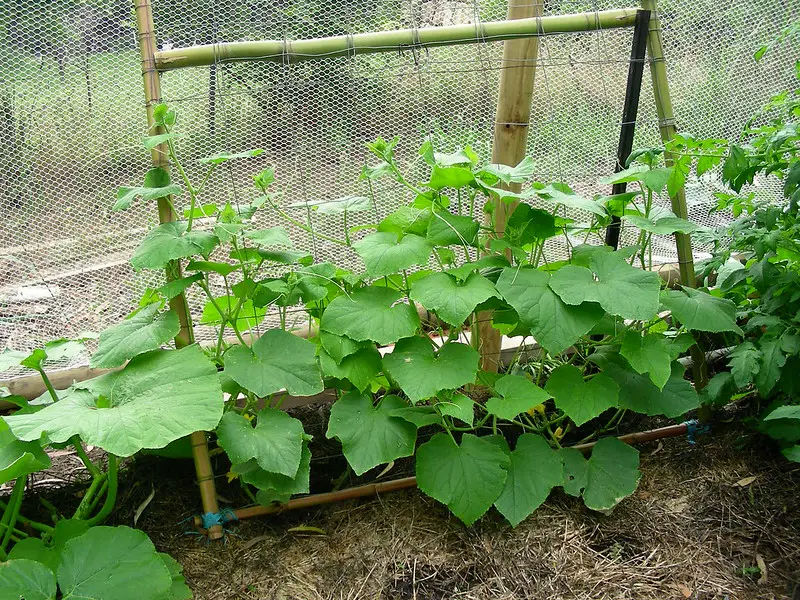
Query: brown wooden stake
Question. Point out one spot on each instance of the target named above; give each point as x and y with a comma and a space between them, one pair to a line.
510, 142
159, 157
374, 489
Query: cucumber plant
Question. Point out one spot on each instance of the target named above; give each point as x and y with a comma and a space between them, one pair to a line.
601, 318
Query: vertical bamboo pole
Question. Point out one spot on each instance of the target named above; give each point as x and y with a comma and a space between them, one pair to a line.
666, 124
152, 92
510, 142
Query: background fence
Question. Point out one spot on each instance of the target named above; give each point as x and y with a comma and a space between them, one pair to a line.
72, 118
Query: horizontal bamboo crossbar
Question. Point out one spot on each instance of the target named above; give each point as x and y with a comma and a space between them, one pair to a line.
286, 51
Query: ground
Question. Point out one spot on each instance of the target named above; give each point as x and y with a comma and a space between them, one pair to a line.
704, 518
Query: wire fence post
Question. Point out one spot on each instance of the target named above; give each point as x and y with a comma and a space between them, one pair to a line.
159, 158
509, 145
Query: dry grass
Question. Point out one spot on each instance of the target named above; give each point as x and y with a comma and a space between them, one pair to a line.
686, 533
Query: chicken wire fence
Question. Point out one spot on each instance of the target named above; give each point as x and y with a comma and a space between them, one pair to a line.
72, 119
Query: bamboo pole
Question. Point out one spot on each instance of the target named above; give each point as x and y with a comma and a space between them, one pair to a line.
510, 142
666, 124
375, 489
152, 91
397, 40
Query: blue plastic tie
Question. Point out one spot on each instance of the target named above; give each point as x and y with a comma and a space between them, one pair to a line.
226, 515
693, 429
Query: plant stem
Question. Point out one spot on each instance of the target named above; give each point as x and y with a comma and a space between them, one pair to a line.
11, 513
111, 496
84, 507
48, 385
90, 466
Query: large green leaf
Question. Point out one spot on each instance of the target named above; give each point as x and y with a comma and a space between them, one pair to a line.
277, 361
517, 395
653, 354
614, 284
452, 301
701, 311
446, 229
745, 362
467, 478
581, 400
554, 324
421, 373
274, 487
612, 475
558, 193
535, 469
458, 406
639, 394
792, 453
276, 442
113, 563
358, 368
783, 423
407, 219
373, 313
383, 254
157, 398
369, 434
19, 458
662, 226
146, 330
24, 579
157, 185
454, 177
170, 241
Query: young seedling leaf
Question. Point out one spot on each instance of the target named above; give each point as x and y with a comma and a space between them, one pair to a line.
452, 301
458, 406
19, 458
421, 373
274, 236
662, 226
277, 361
157, 398
554, 324
113, 563
339, 206
771, 363
170, 241
146, 330
614, 284
383, 254
467, 478
639, 394
276, 442
178, 589
517, 395
576, 471
372, 313
358, 368
700, 311
274, 487
173, 288
745, 362
339, 346
218, 159
581, 400
653, 354
535, 469
612, 474
371, 435
27, 579
447, 229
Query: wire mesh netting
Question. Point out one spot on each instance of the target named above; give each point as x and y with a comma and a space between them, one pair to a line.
72, 119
